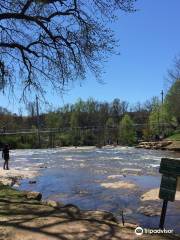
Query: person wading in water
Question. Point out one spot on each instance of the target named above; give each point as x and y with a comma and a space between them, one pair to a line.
5, 156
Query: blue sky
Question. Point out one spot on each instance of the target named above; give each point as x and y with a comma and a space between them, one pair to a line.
149, 41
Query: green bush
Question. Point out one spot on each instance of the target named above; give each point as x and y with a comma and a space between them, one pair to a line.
127, 134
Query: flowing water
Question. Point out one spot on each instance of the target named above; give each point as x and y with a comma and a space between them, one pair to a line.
89, 178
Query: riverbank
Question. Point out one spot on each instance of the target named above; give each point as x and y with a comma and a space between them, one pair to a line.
171, 145
26, 218
161, 145
23, 215
13, 176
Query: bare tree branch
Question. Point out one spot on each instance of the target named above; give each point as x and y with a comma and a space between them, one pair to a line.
49, 41
26, 6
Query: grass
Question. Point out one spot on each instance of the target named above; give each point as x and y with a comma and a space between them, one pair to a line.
8, 192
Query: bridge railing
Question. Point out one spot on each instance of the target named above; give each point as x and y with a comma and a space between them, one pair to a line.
4, 131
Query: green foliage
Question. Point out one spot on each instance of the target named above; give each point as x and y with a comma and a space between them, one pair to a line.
11, 140
174, 137
75, 119
65, 139
155, 118
91, 123
52, 120
8, 192
127, 135
22, 142
160, 120
110, 123
88, 138
173, 100
147, 134
111, 133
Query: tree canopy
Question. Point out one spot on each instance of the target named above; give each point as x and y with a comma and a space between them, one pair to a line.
127, 133
173, 100
52, 42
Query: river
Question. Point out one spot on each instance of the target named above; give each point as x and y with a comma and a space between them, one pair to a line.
89, 178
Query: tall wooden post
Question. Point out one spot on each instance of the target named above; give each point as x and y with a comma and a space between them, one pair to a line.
162, 97
162, 121
163, 214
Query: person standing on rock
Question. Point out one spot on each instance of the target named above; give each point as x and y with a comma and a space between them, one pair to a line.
5, 156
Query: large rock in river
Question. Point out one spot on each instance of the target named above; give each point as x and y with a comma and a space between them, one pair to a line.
34, 196
53, 204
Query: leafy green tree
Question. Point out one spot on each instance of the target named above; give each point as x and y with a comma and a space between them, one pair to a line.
75, 131
52, 120
173, 100
118, 109
127, 135
155, 118
161, 121
110, 132
88, 138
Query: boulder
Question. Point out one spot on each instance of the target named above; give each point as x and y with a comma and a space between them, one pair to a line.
153, 195
53, 204
150, 210
72, 210
132, 170
119, 185
154, 145
34, 195
99, 215
6, 181
9, 181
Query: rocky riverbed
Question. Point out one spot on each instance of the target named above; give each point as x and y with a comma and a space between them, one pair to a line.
160, 145
154, 145
12, 177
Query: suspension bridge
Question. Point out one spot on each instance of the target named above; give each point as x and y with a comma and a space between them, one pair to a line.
4, 131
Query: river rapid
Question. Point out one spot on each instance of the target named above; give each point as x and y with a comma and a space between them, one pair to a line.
93, 178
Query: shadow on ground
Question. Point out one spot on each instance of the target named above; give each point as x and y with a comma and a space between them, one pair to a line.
25, 219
